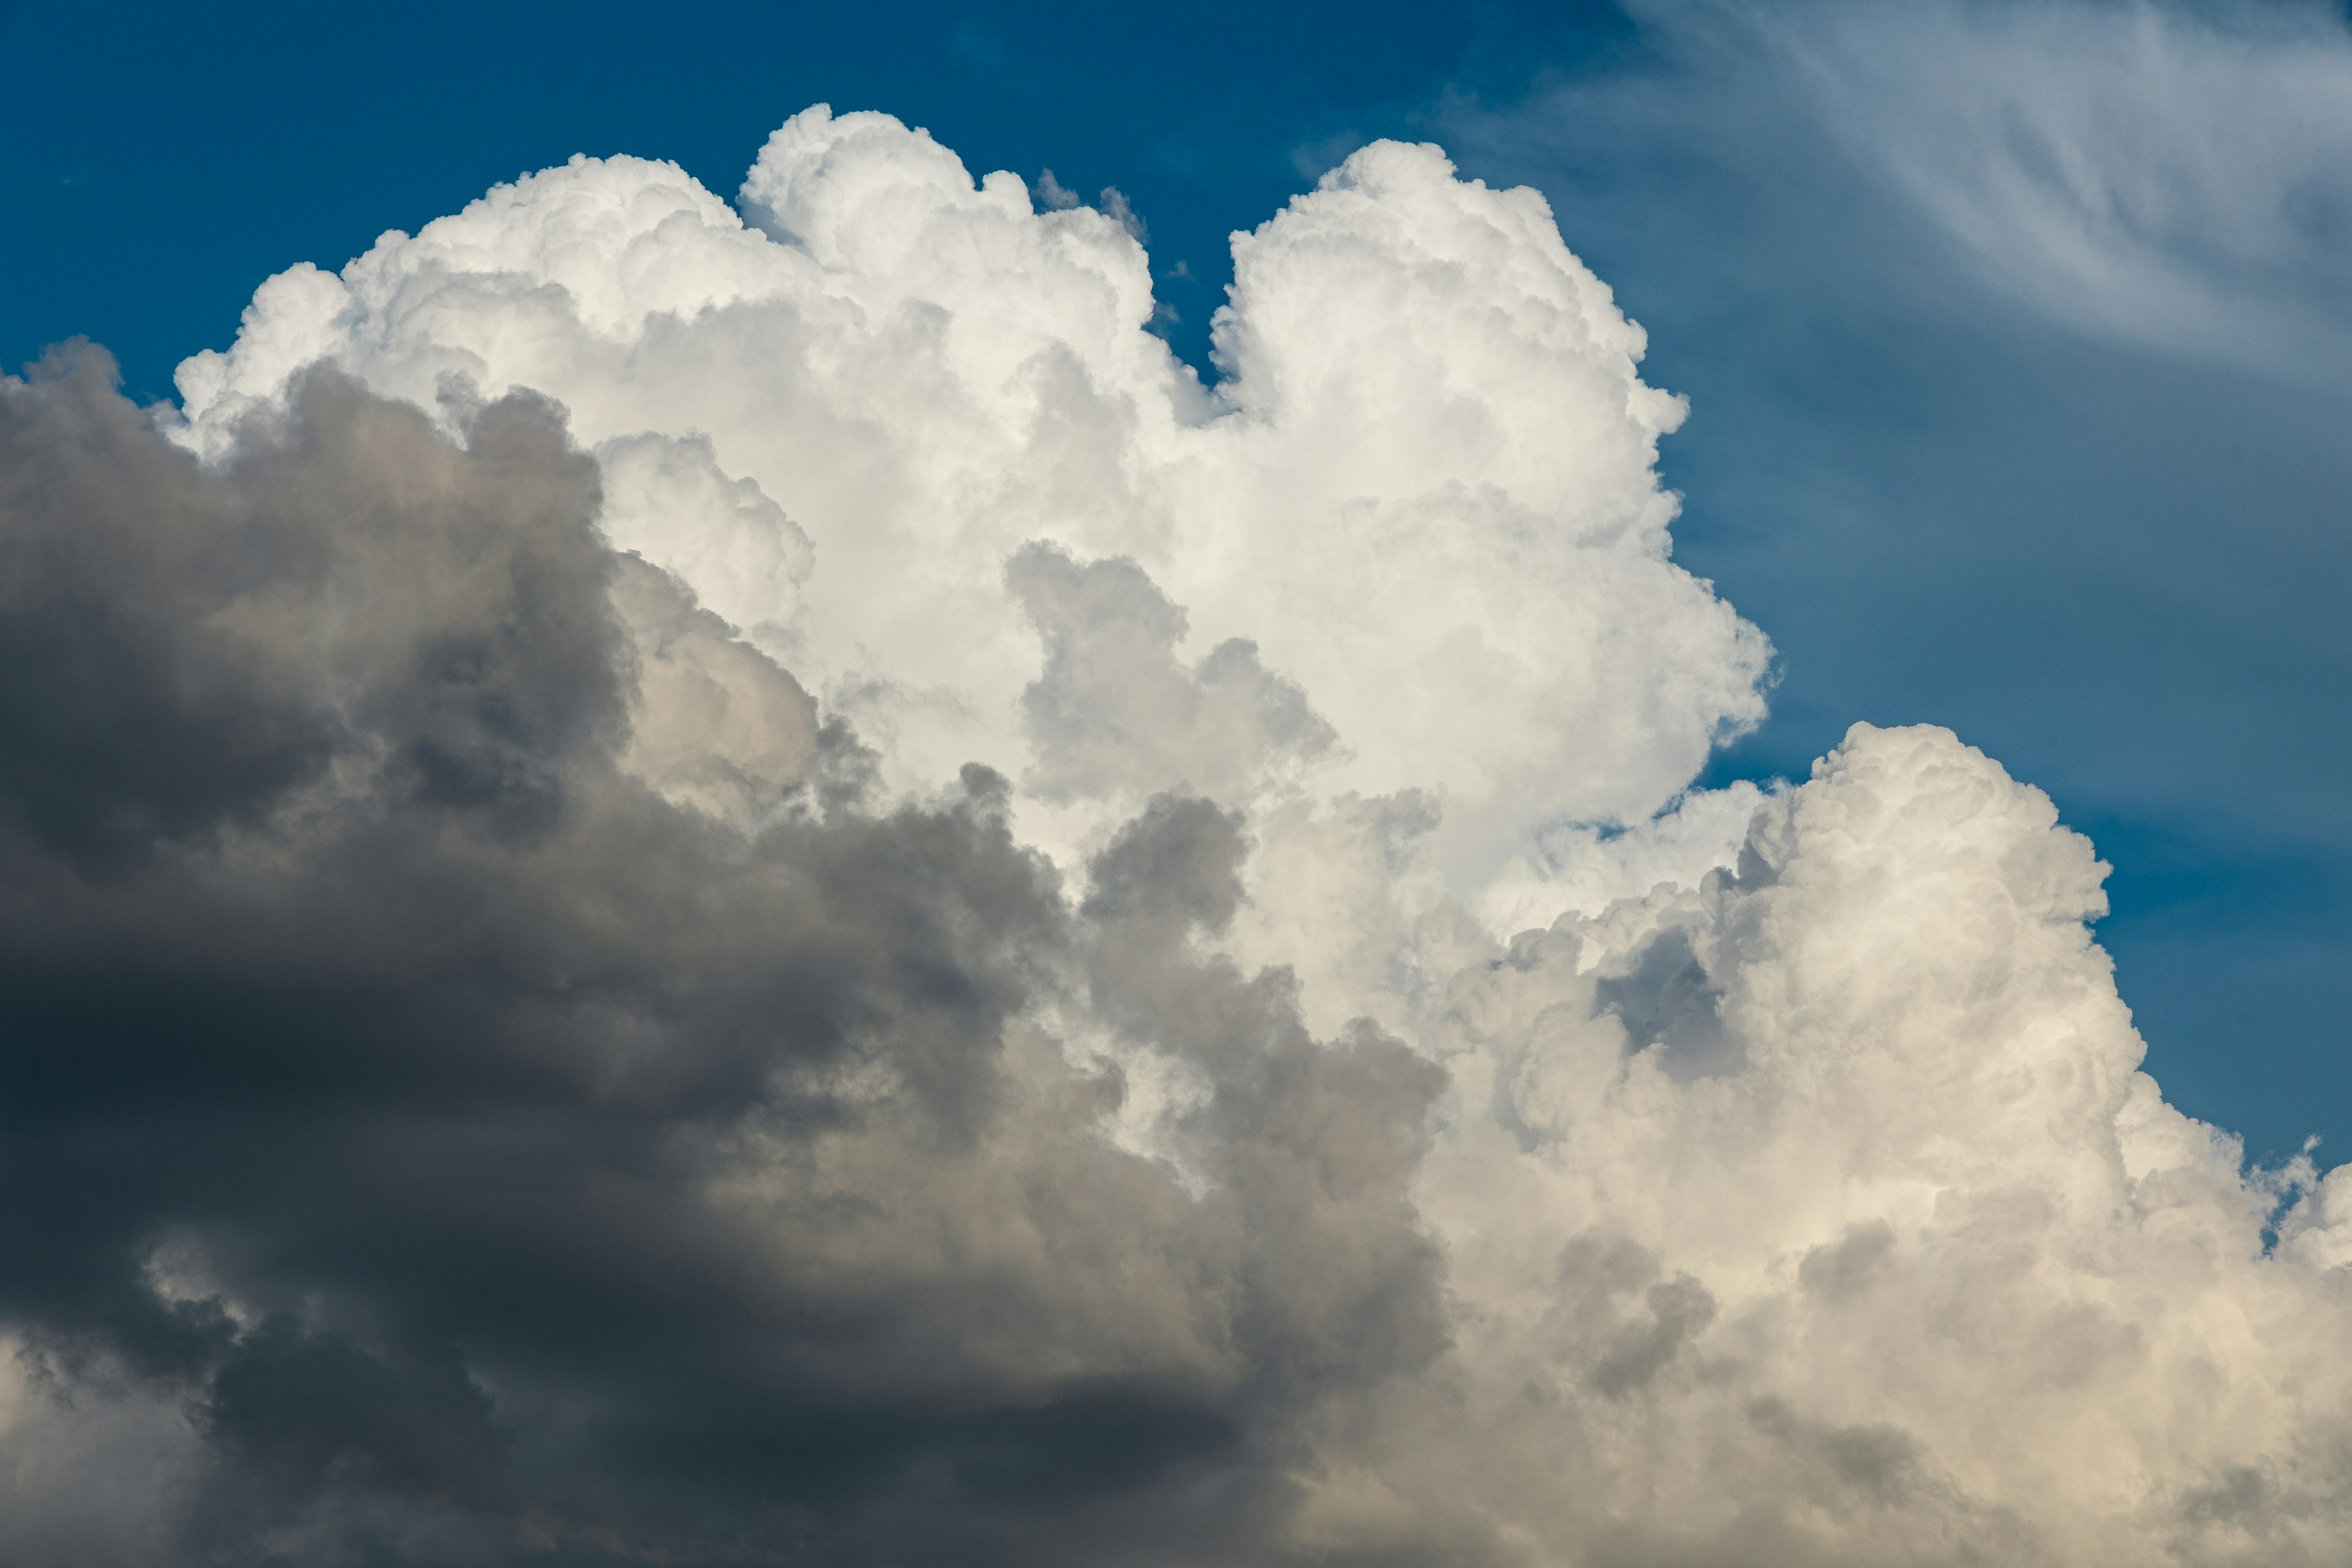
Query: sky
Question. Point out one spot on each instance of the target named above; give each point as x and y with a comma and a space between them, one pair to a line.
2106, 550
1258, 844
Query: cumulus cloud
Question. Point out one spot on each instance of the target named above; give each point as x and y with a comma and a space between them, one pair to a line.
1427, 471
711, 887
525, 1158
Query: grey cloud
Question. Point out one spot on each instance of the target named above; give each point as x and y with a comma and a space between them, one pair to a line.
1676, 1311
1309, 1148
449, 1115
1841, 1270
187, 650
1114, 709
127, 719
1667, 1003
718, 725
1620, 1316
558, 1109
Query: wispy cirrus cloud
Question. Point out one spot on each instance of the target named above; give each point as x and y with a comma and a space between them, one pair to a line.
2170, 176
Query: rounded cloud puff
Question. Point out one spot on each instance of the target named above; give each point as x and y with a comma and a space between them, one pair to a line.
1424, 490
1879, 1211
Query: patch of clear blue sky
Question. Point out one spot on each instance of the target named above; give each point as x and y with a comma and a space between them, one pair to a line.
2122, 574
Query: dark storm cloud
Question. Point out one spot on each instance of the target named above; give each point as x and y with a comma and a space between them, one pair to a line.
432, 1144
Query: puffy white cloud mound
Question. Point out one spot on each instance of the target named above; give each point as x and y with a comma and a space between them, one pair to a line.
1425, 491
1834, 1181
1795, 1197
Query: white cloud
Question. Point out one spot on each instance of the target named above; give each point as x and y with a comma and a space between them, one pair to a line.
1811, 1209
1875, 1103
1424, 490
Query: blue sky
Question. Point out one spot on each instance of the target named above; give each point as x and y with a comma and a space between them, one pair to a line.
2015, 338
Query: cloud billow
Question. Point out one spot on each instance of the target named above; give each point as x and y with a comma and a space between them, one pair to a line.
421, 1051
702, 893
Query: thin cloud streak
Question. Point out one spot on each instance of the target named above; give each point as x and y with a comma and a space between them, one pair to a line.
2163, 176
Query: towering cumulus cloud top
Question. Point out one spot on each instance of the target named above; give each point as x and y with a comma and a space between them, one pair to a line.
715, 884
1423, 489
